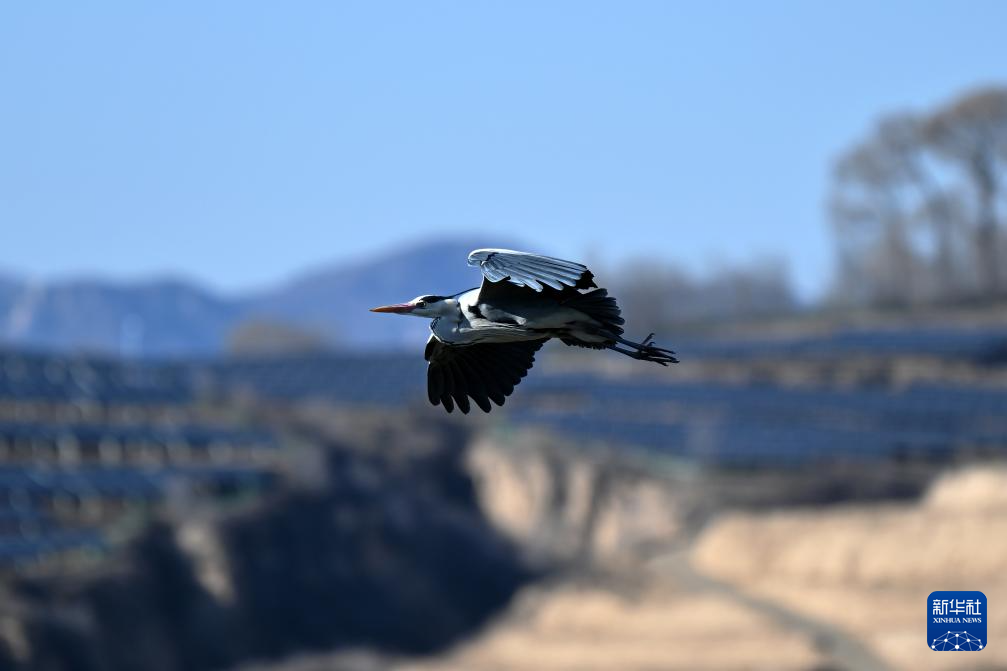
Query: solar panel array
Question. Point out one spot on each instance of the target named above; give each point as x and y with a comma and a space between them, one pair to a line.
701, 422
716, 423
45, 377
723, 424
28, 548
381, 379
167, 435
56, 474
984, 344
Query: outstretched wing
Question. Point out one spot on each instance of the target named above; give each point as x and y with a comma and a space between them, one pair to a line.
528, 270
485, 371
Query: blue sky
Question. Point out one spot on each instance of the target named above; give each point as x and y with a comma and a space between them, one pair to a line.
237, 142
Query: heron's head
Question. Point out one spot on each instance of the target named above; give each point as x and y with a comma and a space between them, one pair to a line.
421, 306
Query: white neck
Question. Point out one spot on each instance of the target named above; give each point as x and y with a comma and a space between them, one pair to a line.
447, 308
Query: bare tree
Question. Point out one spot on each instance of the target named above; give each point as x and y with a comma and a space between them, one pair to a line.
658, 297
915, 206
971, 133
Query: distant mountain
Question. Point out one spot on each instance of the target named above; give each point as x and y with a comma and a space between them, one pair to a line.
335, 301
163, 318
176, 318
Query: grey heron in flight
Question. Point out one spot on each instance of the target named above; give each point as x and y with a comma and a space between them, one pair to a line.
484, 340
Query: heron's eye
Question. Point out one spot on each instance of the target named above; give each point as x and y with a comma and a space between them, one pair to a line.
421, 304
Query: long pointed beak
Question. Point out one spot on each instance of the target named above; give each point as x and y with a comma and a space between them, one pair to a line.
398, 308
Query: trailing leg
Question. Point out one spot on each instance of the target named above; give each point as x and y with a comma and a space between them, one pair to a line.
644, 351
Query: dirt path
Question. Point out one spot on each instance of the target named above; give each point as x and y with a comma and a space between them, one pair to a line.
845, 651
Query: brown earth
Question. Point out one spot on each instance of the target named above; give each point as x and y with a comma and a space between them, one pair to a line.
781, 589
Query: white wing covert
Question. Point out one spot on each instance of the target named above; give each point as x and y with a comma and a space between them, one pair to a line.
530, 270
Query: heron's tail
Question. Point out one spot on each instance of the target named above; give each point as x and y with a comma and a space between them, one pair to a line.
601, 307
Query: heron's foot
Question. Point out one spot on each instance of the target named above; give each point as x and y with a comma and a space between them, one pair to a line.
649, 342
646, 351
655, 354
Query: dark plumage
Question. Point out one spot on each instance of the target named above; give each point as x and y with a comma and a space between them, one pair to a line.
484, 373
484, 340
